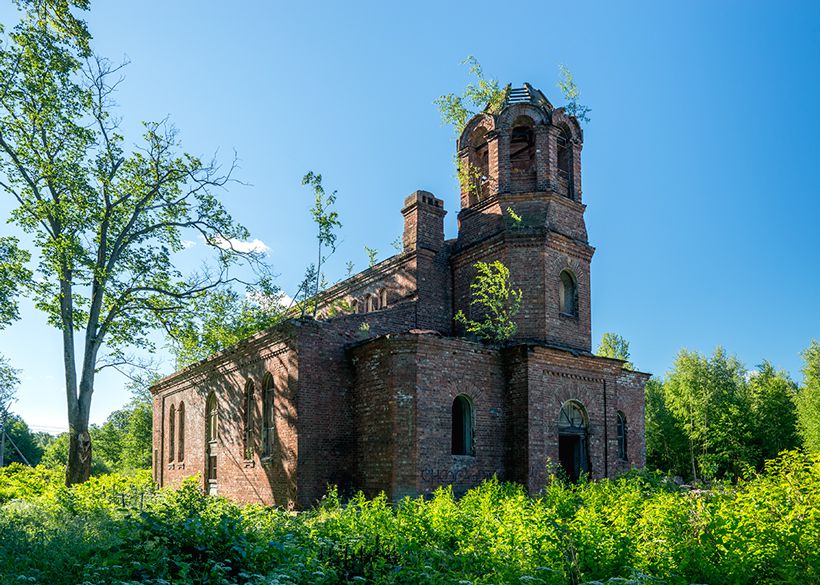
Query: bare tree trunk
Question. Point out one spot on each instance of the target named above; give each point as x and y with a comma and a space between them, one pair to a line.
78, 469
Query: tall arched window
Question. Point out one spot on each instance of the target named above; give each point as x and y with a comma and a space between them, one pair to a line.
479, 160
211, 439
622, 454
247, 437
462, 426
564, 155
568, 294
268, 416
181, 429
172, 416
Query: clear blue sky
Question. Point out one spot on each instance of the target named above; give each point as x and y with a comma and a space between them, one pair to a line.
700, 164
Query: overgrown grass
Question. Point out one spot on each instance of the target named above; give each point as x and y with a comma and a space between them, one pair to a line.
119, 530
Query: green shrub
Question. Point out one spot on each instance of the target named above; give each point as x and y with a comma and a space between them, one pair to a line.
640, 528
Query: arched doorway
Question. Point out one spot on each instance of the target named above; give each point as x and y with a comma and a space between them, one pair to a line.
211, 438
573, 452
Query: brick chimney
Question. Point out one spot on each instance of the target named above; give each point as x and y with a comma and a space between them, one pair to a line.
423, 222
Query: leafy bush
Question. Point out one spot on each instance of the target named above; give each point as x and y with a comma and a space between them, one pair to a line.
640, 528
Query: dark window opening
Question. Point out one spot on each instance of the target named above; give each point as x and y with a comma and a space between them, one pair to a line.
568, 295
479, 160
564, 155
181, 438
522, 155
248, 422
172, 415
268, 416
622, 434
211, 438
573, 451
462, 426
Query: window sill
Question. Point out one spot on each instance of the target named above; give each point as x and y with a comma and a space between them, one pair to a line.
465, 458
568, 316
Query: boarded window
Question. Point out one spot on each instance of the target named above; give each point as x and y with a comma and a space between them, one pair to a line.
181, 431
568, 294
462, 426
172, 415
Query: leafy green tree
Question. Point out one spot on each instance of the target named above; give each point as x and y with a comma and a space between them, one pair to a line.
9, 378
666, 444
221, 318
614, 346
108, 439
707, 398
572, 94
772, 397
808, 398
106, 222
496, 302
55, 455
327, 222
137, 442
481, 95
13, 275
22, 445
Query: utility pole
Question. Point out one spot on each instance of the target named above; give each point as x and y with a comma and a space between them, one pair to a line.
3, 438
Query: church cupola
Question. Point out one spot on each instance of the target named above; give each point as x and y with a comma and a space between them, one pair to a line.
521, 204
525, 146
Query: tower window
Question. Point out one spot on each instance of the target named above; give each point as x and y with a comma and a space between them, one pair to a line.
479, 160
568, 295
622, 455
462, 426
564, 155
522, 146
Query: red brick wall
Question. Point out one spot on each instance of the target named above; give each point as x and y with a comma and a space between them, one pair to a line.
265, 481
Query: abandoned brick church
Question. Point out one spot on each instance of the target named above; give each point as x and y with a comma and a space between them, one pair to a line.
389, 396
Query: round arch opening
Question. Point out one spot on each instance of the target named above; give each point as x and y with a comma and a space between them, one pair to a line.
573, 439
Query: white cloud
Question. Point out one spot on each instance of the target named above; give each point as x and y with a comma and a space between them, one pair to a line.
255, 245
188, 244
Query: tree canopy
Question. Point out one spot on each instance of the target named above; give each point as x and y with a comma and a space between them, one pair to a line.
106, 221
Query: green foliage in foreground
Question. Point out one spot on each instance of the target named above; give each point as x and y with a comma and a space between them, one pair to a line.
114, 529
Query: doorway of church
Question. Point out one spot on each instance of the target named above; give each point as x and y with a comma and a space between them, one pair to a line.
572, 440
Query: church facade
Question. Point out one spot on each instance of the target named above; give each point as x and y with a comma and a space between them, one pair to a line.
382, 392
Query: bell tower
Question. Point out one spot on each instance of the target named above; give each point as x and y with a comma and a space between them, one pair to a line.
521, 203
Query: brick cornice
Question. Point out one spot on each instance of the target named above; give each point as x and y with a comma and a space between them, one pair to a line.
250, 351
